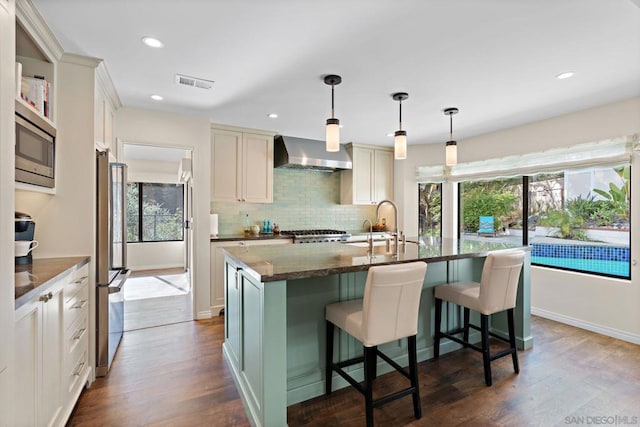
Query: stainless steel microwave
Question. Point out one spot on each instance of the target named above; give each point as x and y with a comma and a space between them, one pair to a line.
35, 148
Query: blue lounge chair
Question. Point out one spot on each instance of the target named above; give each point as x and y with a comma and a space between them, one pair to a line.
486, 227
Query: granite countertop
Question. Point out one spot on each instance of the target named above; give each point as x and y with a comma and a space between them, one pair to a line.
242, 236
36, 277
268, 263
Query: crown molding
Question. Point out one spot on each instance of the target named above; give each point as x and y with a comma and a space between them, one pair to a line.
35, 25
106, 84
85, 61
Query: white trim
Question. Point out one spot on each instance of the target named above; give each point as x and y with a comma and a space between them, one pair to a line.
37, 28
85, 61
604, 330
108, 88
206, 314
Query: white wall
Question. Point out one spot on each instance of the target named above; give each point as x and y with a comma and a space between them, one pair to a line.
609, 306
155, 255
172, 130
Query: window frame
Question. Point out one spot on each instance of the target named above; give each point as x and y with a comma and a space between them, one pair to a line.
140, 185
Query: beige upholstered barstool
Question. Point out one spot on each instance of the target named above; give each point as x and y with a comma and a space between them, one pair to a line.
388, 312
496, 292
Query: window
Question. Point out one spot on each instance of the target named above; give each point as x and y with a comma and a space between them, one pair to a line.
492, 209
570, 204
154, 212
430, 209
582, 220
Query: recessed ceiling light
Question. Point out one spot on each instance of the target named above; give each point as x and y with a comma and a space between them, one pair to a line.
390, 134
152, 42
272, 116
565, 75
157, 97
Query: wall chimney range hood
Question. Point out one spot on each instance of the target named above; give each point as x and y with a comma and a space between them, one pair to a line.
300, 153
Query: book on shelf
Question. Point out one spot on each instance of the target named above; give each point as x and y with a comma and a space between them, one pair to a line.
36, 91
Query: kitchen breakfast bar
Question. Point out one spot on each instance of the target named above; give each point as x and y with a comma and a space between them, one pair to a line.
275, 298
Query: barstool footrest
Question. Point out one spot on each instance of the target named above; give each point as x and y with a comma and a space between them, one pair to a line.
502, 353
393, 396
460, 341
393, 364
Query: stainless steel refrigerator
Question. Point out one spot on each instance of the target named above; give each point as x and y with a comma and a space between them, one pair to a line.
111, 258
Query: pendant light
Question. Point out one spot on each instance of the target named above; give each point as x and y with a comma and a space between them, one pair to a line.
451, 154
333, 124
400, 138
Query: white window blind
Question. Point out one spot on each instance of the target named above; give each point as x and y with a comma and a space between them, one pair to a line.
611, 152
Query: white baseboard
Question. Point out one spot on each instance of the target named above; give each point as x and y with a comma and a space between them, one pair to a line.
206, 314
604, 330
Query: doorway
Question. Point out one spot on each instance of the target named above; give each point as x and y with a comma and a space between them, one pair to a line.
159, 290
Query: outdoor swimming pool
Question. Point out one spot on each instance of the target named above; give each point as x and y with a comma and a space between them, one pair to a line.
607, 259
611, 268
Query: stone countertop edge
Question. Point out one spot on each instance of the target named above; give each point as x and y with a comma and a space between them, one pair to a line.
47, 272
320, 271
240, 237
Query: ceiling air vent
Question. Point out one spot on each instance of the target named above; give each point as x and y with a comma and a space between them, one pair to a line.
193, 82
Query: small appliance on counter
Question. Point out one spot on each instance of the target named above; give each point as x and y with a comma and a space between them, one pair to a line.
24, 231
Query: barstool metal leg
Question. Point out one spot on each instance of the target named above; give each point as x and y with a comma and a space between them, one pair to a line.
413, 372
486, 357
437, 335
465, 335
369, 358
328, 357
512, 340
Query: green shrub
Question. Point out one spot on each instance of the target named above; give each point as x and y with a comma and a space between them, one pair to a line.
567, 226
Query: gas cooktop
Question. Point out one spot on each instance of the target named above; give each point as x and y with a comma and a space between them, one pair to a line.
315, 236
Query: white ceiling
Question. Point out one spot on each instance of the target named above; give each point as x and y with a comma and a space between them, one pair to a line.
495, 60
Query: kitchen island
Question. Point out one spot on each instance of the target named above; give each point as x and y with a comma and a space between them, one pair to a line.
275, 299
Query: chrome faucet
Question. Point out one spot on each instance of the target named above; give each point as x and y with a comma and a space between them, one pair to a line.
395, 219
370, 239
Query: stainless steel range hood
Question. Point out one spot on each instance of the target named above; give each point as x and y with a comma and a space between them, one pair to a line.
300, 153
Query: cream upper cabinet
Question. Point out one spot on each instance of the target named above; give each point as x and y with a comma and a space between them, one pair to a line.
242, 164
371, 179
106, 102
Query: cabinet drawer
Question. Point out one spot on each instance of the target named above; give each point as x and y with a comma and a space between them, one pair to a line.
76, 307
76, 342
76, 281
76, 373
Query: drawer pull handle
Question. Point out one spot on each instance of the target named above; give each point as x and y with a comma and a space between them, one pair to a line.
79, 370
79, 334
80, 304
80, 280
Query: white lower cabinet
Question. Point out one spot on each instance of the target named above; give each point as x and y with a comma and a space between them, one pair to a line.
46, 347
38, 359
217, 267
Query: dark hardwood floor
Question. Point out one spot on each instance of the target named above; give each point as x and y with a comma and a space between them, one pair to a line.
175, 376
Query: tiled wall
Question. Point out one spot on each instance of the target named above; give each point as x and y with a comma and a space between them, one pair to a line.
302, 199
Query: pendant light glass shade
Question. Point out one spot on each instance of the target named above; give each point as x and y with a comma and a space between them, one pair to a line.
333, 135
332, 139
400, 145
451, 150
400, 139
451, 154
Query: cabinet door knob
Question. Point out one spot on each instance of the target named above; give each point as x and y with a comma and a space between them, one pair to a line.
50, 295
44, 298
